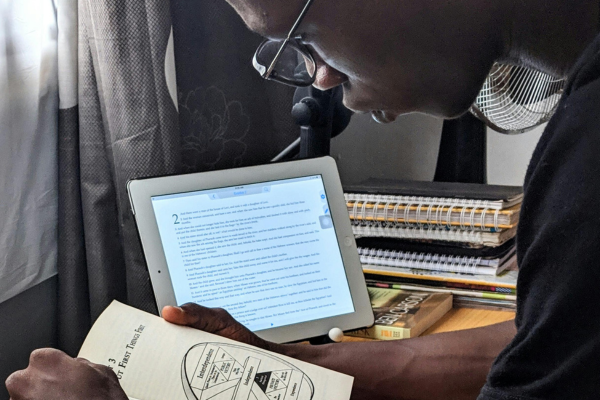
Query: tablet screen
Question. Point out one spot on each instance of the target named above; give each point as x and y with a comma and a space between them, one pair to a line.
266, 252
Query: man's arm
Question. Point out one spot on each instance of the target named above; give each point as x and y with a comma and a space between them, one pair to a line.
444, 366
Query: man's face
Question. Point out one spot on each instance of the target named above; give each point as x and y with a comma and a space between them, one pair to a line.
391, 57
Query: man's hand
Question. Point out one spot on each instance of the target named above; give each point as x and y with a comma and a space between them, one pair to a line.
52, 375
213, 320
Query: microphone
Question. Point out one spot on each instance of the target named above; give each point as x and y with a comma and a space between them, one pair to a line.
321, 116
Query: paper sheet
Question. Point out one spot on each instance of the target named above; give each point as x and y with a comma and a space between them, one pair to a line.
155, 360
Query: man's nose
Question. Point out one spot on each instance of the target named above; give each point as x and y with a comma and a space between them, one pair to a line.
328, 77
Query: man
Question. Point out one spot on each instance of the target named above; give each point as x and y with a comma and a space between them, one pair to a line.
394, 57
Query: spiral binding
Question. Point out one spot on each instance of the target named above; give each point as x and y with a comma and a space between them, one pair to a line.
429, 261
425, 211
452, 235
435, 201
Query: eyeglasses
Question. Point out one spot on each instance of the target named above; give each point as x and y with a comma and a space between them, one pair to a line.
287, 61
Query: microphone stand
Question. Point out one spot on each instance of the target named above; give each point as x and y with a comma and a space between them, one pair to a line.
321, 116
314, 113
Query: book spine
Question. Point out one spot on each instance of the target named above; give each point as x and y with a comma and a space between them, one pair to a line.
373, 272
465, 293
449, 213
379, 332
442, 284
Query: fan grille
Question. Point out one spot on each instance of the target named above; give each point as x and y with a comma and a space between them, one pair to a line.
515, 99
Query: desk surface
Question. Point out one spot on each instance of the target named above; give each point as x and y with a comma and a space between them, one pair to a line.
460, 318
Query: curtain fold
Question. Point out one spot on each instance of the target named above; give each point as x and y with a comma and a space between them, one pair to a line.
123, 123
28, 132
124, 126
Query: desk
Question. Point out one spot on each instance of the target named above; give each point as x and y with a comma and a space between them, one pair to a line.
458, 319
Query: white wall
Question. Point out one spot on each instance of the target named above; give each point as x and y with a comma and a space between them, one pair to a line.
408, 148
508, 155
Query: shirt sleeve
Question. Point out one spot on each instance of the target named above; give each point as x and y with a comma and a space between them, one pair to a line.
556, 352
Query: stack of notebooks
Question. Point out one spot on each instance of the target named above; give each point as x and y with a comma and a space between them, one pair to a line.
441, 237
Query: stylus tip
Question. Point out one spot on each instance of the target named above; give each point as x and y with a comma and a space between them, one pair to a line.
336, 334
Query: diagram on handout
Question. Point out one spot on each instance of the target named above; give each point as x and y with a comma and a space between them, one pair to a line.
218, 371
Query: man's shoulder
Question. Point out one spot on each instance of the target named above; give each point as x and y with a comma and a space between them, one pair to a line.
574, 131
587, 69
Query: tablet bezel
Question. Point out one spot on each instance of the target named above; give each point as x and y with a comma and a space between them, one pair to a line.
141, 192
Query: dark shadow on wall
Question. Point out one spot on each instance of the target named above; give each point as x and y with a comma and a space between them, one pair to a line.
463, 151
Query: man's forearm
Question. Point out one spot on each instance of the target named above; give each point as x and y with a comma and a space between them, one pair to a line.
444, 366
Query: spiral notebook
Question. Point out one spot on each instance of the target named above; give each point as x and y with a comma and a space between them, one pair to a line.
434, 262
473, 237
462, 194
388, 253
484, 215
434, 212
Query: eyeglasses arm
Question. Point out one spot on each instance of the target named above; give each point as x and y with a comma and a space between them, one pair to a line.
269, 70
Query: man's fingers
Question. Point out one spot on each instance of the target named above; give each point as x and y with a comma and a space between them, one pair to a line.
46, 357
20, 383
174, 315
211, 320
15, 384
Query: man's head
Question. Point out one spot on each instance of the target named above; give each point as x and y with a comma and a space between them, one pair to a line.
432, 56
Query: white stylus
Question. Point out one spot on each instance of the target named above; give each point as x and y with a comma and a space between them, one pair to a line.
336, 335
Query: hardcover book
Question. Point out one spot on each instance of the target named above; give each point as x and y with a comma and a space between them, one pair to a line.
402, 314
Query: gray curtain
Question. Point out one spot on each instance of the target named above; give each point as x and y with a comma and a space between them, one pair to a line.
126, 124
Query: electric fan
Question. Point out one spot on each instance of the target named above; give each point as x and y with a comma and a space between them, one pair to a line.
515, 99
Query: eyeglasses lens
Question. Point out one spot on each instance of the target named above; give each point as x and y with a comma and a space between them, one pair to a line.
292, 65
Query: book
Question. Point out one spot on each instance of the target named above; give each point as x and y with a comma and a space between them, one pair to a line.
506, 279
437, 289
383, 280
436, 258
484, 215
156, 360
484, 304
401, 314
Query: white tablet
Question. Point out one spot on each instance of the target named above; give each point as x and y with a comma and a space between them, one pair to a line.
271, 244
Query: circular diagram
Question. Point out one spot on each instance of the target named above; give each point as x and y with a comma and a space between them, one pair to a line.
219, 371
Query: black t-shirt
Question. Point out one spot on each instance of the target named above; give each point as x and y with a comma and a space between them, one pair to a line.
556, 352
